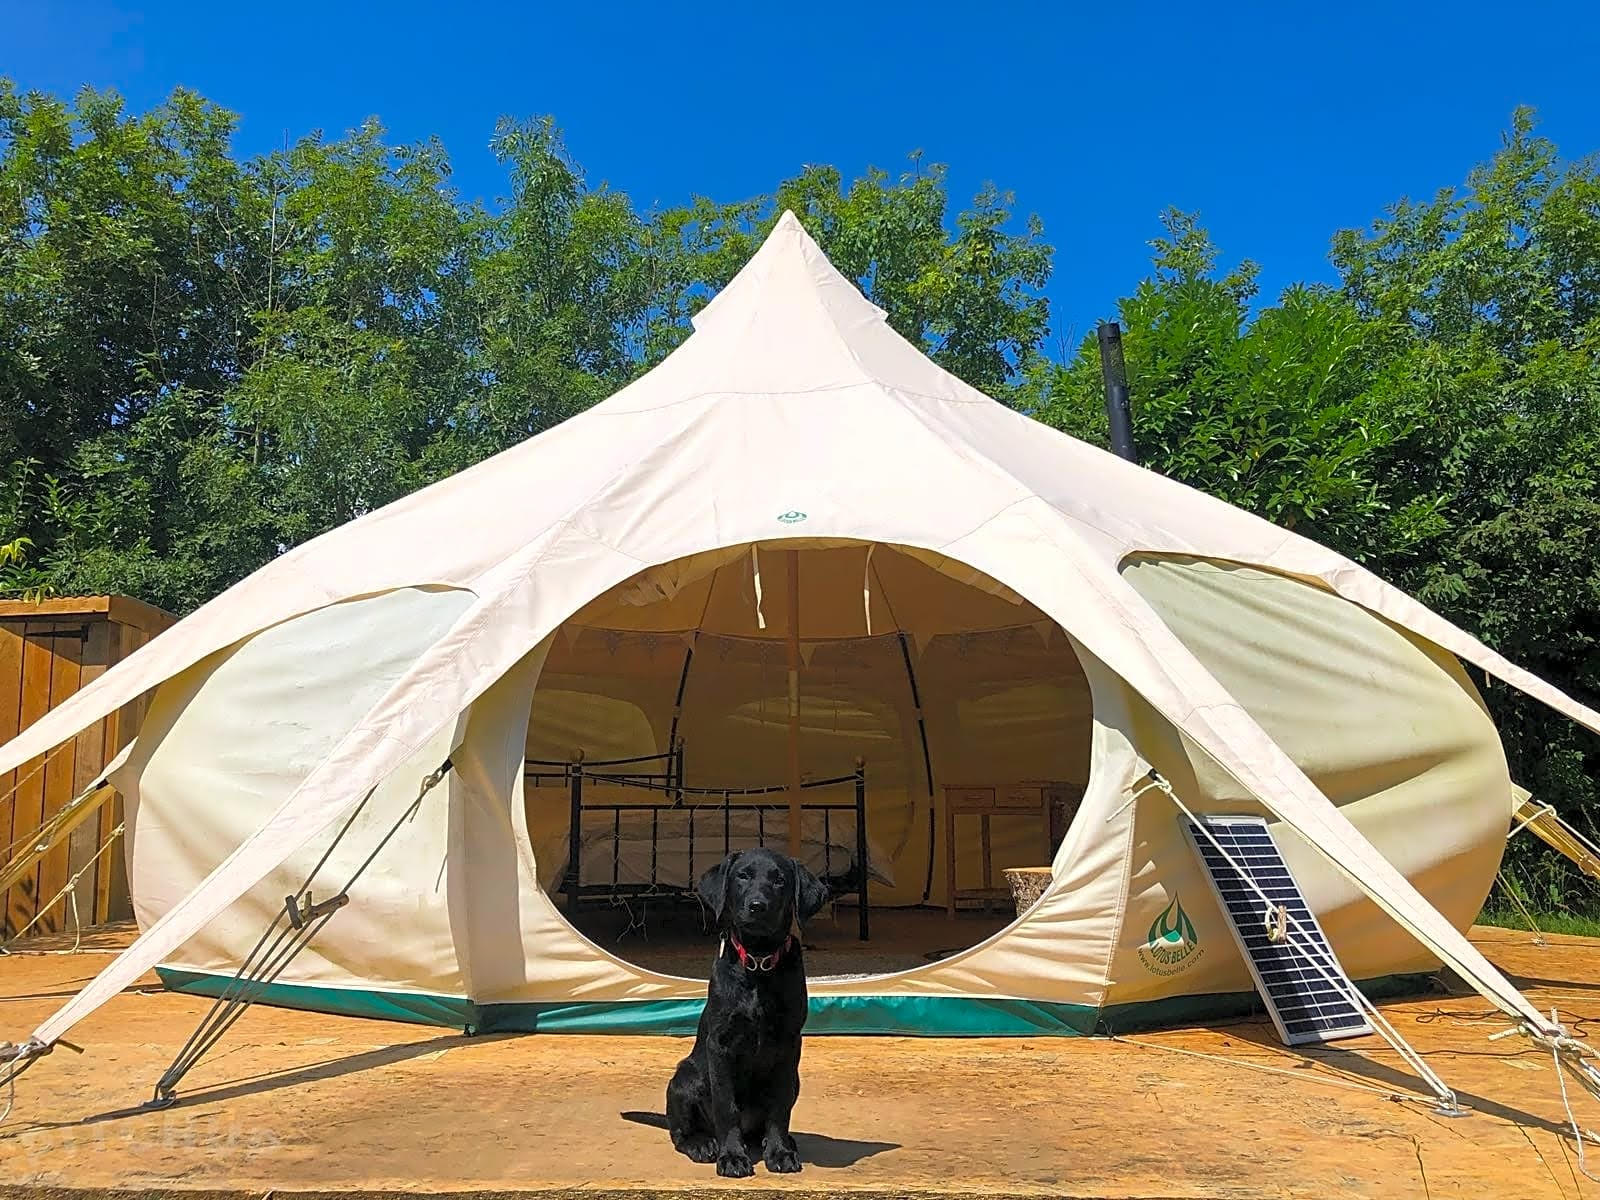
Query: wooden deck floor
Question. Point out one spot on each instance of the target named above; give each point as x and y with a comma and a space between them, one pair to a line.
302, 1103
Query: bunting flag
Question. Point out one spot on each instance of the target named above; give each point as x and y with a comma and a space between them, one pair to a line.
866, 587
755, 575
808, 651
1046, 631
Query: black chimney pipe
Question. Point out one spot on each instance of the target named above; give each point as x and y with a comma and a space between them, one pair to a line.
1115, 373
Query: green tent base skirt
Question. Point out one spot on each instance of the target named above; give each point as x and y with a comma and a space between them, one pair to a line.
900, 1016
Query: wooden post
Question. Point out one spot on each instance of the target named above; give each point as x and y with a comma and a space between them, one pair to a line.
794, 703
861, 844
574, 880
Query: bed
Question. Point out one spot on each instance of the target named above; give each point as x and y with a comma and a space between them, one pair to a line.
637, 831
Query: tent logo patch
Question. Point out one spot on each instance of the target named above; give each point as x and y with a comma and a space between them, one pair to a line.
793, 517
1172, 944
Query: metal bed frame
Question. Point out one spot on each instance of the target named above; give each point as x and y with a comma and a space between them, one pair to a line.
667, 778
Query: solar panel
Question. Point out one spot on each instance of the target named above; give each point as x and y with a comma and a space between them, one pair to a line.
1305, 989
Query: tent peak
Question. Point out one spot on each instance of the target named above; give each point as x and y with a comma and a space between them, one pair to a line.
787, 269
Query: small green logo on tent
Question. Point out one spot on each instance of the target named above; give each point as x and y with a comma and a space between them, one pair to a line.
1172, 943
793, 517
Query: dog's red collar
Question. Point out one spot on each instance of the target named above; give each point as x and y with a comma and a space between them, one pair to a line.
762, 962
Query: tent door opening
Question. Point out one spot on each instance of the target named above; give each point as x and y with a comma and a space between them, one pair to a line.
840, 692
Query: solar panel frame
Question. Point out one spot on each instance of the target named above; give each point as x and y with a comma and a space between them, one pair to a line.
1304, 1005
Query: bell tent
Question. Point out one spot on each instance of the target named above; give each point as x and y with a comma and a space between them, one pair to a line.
795, 586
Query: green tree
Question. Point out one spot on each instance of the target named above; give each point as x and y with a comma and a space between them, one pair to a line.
971, 298
204, 361
1437, 417
557, 293
1496, 286
128, 253
1280, 412
358, 366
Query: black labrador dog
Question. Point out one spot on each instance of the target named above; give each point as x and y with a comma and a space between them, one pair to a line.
740, 1081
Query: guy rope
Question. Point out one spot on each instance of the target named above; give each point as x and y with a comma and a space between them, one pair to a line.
299, 921
1571, 1055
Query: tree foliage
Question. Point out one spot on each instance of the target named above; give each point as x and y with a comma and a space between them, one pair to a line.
206, 359
1275, 411
1435, 416
1497, 288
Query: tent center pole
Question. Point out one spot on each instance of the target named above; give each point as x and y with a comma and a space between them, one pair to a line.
794, 703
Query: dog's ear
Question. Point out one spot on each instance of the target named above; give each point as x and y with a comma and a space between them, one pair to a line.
713, 887
810, 893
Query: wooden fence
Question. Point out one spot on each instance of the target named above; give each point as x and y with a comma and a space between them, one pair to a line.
49, 649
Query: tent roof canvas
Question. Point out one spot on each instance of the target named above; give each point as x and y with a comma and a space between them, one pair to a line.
793, 411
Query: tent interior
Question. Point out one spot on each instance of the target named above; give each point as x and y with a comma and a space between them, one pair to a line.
930, 679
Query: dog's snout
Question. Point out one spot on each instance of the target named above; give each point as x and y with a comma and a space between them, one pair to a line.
760, 909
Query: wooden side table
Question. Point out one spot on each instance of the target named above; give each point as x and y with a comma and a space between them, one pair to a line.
985, 801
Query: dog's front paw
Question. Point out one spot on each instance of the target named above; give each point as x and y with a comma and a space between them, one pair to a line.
701, 1149
782, 1158
734, 1164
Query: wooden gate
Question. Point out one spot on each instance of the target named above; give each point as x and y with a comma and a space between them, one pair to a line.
48, 650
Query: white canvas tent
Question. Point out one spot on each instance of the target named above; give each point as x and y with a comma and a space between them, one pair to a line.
1255, 670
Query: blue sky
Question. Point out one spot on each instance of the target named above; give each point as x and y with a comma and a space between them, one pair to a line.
1279, 126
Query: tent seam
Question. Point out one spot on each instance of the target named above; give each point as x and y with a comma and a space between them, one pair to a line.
986, 461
